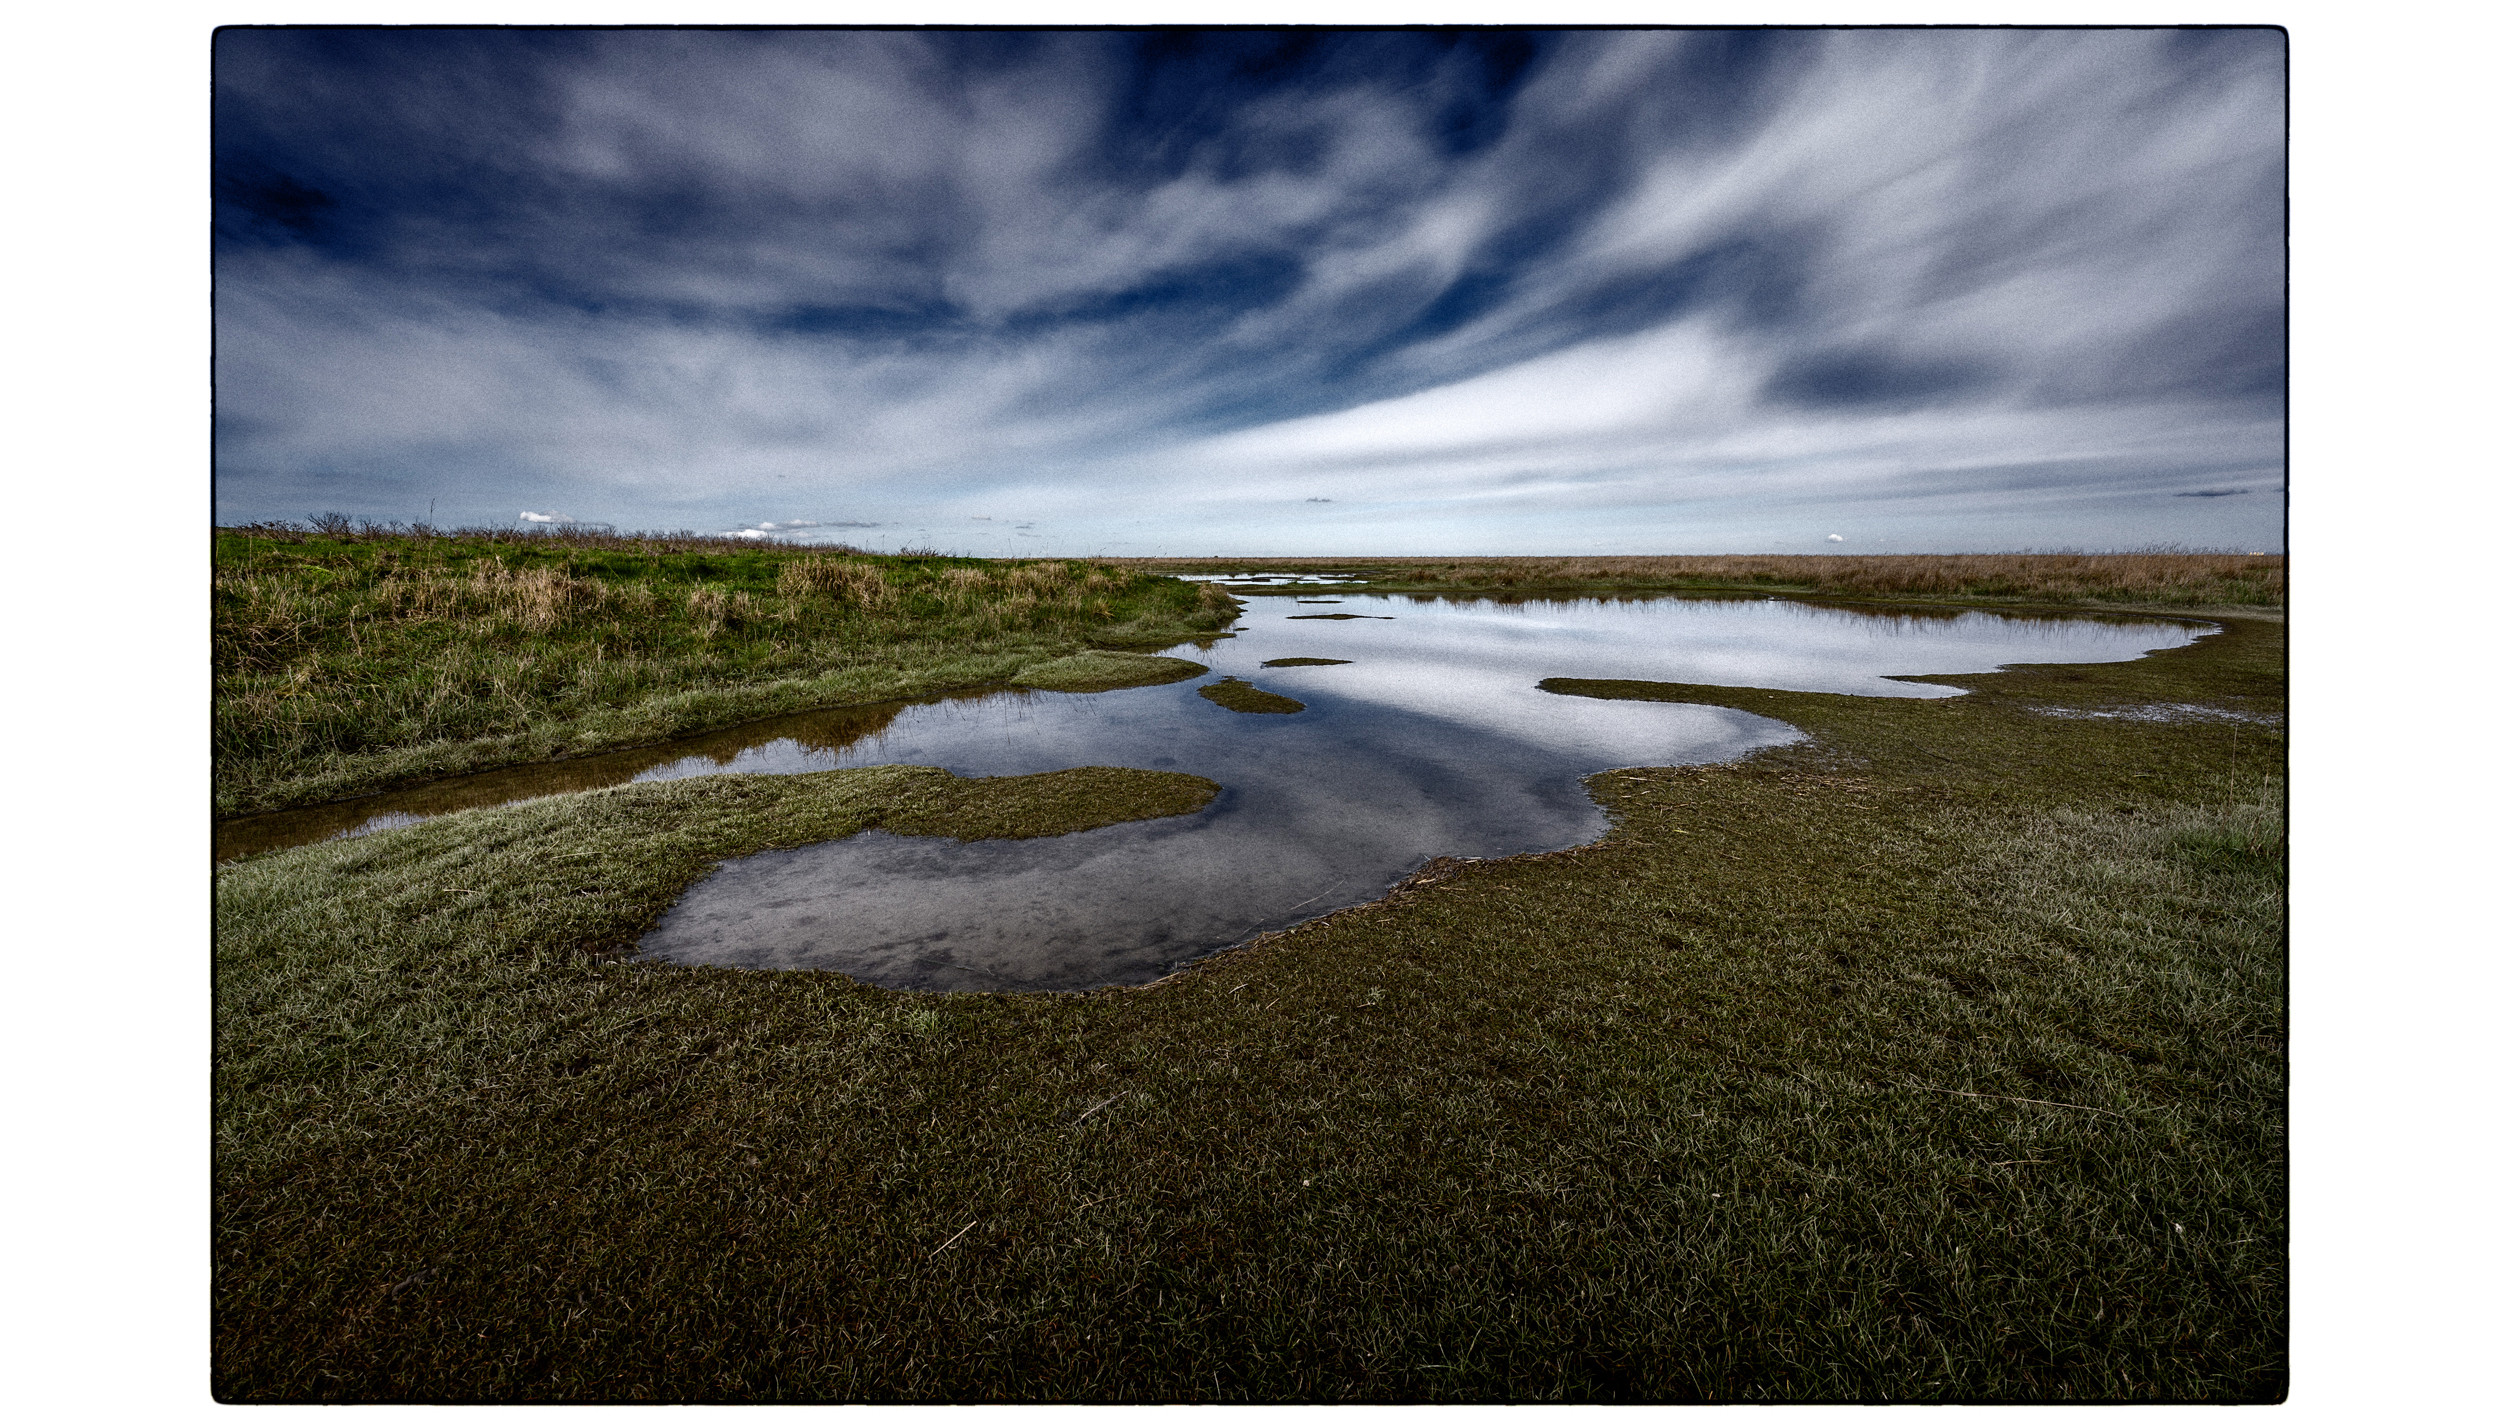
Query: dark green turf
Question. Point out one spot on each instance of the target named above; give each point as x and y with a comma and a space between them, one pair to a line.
1938, 1057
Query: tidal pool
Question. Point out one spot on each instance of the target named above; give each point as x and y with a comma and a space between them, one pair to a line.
1430, 738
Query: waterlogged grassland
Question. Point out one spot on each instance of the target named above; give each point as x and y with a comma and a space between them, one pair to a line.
348, 662
2184, 580
585, 874
1939, 1057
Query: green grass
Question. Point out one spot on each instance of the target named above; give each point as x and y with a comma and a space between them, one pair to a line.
1939, 1057
2167, 578
349, 662
1243, 697
1095, 671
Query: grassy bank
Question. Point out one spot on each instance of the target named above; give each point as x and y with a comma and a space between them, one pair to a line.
1937, 1057
351, 660
2176, 579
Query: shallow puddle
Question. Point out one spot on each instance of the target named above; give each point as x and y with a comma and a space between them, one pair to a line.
1429, 739
1419, 737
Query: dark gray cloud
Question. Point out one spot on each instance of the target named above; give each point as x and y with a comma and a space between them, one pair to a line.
1484, 290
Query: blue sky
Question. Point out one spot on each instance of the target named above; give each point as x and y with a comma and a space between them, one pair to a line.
1261, 292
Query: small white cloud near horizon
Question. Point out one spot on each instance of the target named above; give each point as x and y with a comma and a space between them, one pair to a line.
546, 518
1832, 538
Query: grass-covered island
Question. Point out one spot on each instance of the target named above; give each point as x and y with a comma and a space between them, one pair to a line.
1937, 1057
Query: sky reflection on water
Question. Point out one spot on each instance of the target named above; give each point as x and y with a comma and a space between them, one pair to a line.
1431, 740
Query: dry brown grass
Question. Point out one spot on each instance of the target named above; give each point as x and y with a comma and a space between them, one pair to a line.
2132, 577
263, 613
845, 581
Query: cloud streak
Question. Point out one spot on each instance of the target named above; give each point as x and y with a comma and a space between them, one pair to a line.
1330, 292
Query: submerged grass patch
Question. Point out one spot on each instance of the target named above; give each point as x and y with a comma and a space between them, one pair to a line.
1243, 697
1939, 1057
1298, 662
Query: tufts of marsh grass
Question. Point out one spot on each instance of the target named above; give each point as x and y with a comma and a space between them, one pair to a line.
351, 660
1937, 1058
2185, 579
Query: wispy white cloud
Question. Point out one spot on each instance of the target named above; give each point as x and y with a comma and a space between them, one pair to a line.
1675, 286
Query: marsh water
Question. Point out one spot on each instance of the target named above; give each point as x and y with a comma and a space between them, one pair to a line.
1429, 739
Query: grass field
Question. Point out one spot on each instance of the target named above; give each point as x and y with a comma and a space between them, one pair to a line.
350, 660
1939, 1057
2179, 579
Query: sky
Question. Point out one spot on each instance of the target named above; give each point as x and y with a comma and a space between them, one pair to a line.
1260, 292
